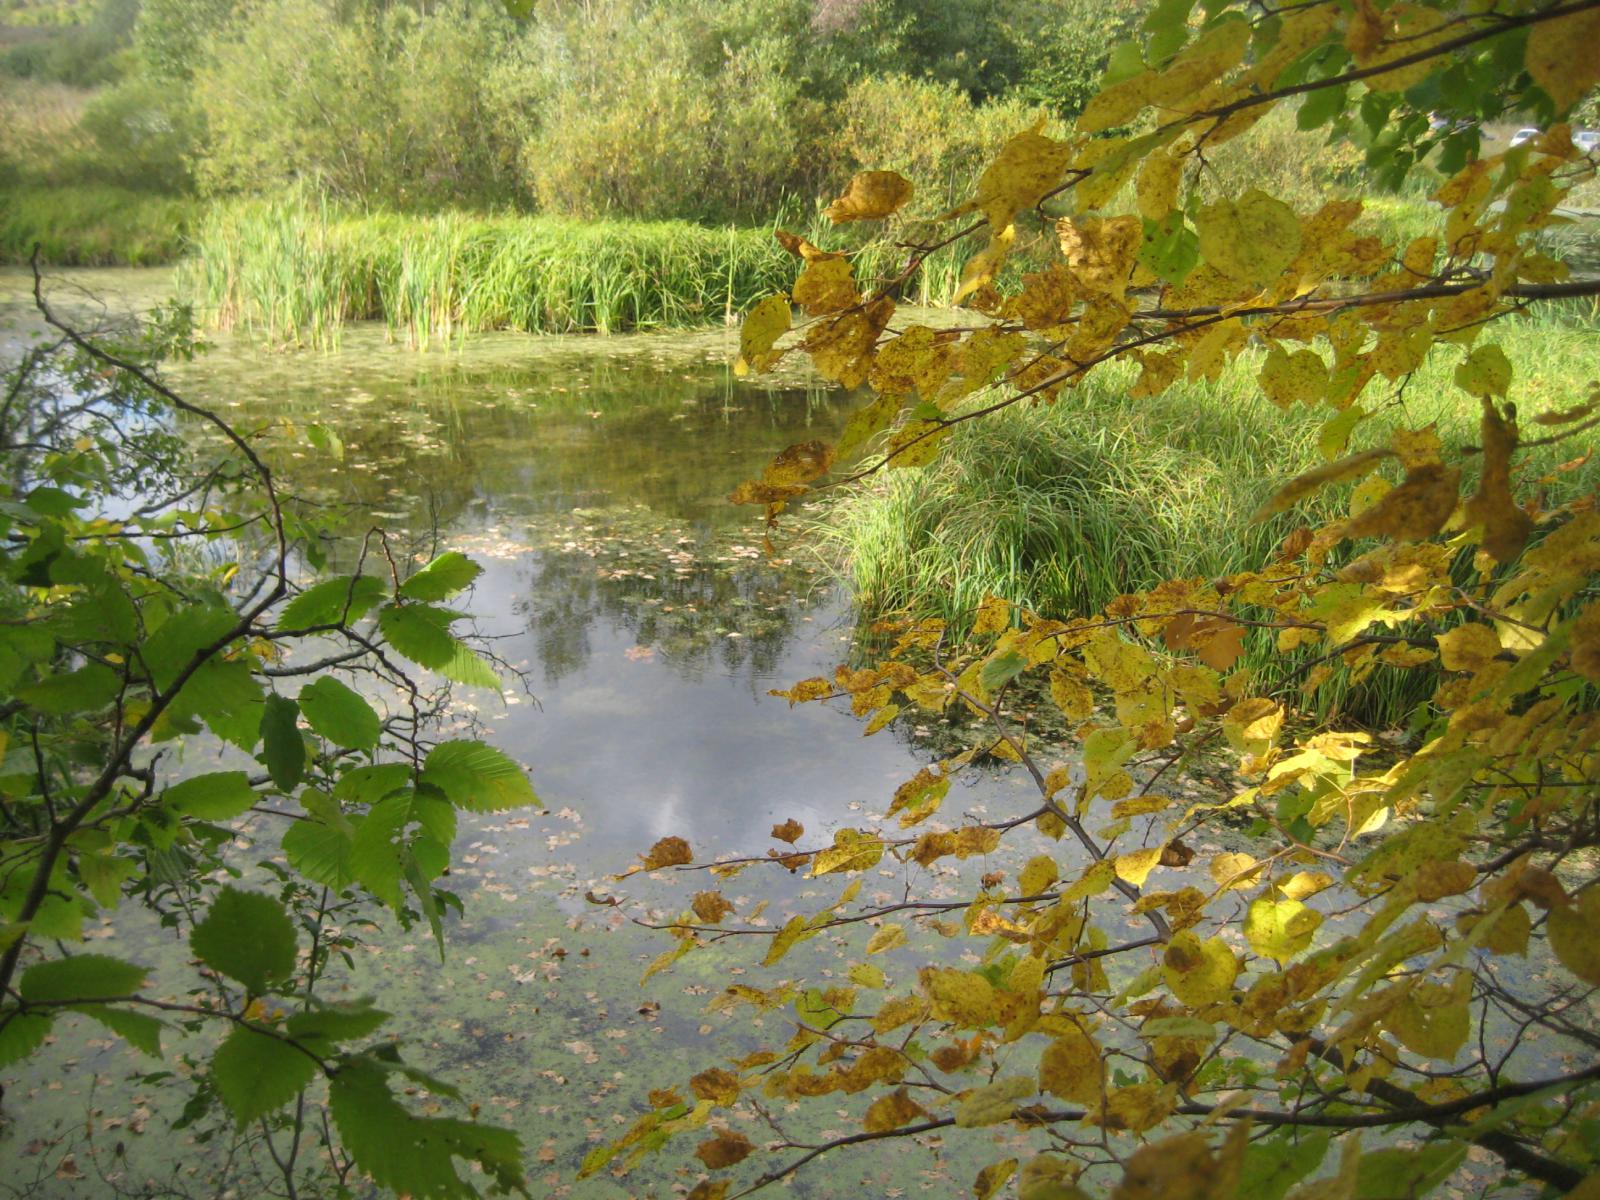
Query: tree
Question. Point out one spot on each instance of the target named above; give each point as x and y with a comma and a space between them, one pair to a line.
1206, 1033
156, 583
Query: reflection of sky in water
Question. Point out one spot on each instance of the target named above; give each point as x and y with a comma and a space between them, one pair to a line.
590, 479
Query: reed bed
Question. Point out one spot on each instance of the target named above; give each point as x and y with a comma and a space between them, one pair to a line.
296, 270
1063, 508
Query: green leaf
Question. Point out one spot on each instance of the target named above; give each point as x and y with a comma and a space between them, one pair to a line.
139, 1030
1385, 1174
442, 578
281, 743
430, 909
376, 850
1274, 1166
218, 796
225, 694
414, 1154
88, 689
998, 672
248, 937
104, 875
255, 1073
477, 777
420, 633
21, 1034
320, 852
184, 633
341, 600
81, 977
329, 1024
339, 714
369, 784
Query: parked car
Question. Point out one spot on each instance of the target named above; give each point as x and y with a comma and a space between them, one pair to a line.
1587, 140
1523, 135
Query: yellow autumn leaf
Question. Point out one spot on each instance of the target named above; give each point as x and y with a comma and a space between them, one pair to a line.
1039, 873
886, 938
852, 850
871, 196
1251, 726
1289, 379
983, 266
1280, 929
1135, 866
1433, 1019
993, 1104
1412, 512
891, 1112
1560, 56
1575, 936
1251, 239
826, 285
1070, 1067
1027, 167
1198, 972
992, 1178
763, 325
1469, 647
963, 998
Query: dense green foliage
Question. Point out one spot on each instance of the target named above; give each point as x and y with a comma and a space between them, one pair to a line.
157, 584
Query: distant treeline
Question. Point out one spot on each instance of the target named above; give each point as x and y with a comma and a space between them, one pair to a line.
704, 110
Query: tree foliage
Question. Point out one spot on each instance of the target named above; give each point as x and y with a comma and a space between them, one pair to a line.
1145, 1022
152, 581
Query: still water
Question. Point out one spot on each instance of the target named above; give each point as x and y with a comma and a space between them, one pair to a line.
645, 624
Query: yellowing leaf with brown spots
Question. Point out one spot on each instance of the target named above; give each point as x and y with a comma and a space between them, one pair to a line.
841, 347
1234, 871
668, 852
1070, 1068
963, 998
1198, 972
1027, 167
1433, 1019
892, 1111
1486, 372
852, 850
1101, 251
1039, 873
1289, 379
886, 938
1469, 647
983, 266
1252, 726
1412, 512
716, 1084
1138, 1107
825, 286
992, 1178
871, 196
764, 324
1561, 56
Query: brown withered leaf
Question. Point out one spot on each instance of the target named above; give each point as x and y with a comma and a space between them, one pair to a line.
790, 831
892, 1111
800, 248
825, 286
668, 852
1506, 527
871, 196
716, 1084
708, 1189
724, 1150
664, 1097
710, 907
1414, 511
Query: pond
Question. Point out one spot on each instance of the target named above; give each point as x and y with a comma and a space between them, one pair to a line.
646, 623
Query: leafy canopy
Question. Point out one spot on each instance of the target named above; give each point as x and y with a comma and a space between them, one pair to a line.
1137, 1019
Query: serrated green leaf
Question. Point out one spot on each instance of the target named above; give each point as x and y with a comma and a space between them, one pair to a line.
320, 852
1274, 1166
281, 744
185, 632
218, 796
477, 777
255, 1073
414, 1154
139, 1030
340, 714
21, 1034
81, 977
226, 695
248, 937
330, 1024
368, 785
446, 575
87, 689
376, 852
420, 632
341, 600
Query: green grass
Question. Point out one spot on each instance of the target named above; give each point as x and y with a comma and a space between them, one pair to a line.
97, 226
1063, 508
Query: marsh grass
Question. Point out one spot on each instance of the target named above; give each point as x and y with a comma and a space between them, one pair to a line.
1063, 508
93, 226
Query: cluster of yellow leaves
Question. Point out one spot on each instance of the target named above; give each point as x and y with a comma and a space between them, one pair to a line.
1486, 591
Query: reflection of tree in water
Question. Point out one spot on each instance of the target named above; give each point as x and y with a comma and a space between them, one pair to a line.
699, 602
